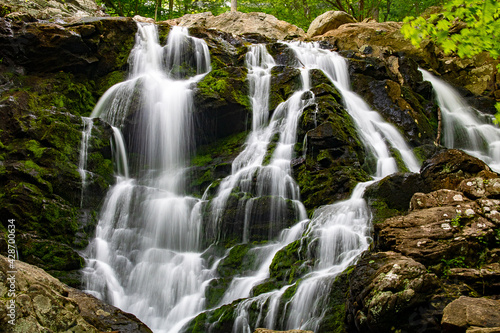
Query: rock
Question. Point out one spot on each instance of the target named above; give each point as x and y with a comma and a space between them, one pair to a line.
441, 226
328, 21
42, 304
485, 279
447, 169
44, 10
239, 23
479, 187
467, 313
386, 289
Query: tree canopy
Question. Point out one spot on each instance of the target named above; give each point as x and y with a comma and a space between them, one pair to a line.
300, 13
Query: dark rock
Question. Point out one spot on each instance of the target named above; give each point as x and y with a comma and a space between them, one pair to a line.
448, 168
396, 104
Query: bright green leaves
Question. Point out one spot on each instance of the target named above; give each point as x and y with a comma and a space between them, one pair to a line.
466, 27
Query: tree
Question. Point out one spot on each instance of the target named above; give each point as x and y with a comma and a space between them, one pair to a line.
464, 27
233, 5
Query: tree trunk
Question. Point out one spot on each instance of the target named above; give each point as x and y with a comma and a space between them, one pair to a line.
234, 5
170, 8
158, 5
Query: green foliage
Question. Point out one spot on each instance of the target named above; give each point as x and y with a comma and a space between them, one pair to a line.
481, 19
464, 27
455, 222
300, 13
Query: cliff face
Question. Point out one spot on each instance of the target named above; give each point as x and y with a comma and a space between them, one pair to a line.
51, 75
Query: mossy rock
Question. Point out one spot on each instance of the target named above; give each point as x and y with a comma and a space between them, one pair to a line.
221, 98
290, 263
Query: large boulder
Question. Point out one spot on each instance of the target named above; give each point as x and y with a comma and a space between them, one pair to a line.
41, 303
328, 21
239, 23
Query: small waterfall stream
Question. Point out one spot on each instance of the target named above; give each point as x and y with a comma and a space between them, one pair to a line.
464, 127
145, 257
82, 164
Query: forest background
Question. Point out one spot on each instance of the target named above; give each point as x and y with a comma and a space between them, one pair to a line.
298, 12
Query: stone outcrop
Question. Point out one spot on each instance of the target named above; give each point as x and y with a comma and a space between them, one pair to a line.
45, 10
43, 303
328, 21
239, 23
450, 232
385, 289
50, 76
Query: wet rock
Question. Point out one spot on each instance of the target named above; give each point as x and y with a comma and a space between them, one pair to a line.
328, 21
450, 226
472, 314
42, 303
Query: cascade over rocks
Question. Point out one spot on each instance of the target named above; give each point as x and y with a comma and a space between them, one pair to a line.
436, 232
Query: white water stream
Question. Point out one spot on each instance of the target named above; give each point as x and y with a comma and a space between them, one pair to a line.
465, 127
145, 257
342, 229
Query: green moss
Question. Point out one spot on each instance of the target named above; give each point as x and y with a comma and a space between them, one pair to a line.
227, 85
381, 211
288, 263
238, 261
34, 147
110, 80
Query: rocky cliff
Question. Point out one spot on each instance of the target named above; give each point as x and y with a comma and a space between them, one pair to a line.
435, 232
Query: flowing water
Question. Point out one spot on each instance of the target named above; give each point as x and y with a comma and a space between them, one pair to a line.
147, 257
82, 165
465, 127
342, 230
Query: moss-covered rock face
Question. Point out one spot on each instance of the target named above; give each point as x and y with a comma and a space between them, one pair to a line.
334, 160
51, 76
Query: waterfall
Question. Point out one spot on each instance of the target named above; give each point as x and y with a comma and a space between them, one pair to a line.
144, 258
464, 127
274, 180
373, 130
84, 146
147, 257
342, 230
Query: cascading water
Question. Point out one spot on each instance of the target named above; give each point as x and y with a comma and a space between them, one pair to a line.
274, 180
144, 257
342, 230
463, 126
82, 165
